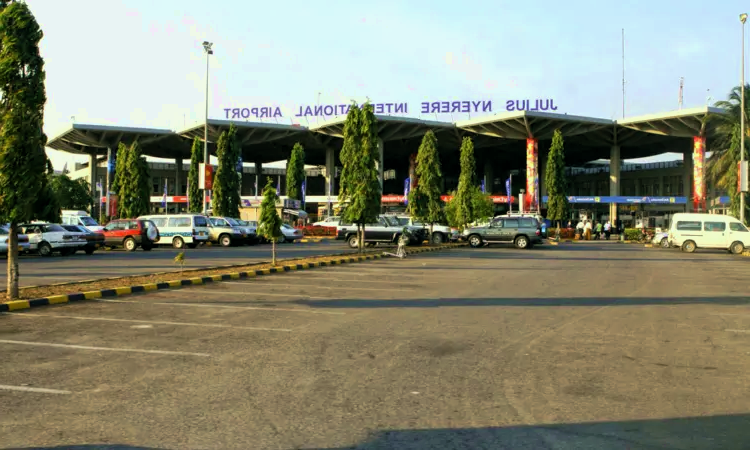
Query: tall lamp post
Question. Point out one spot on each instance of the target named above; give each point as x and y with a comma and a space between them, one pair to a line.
743, 18
207, 48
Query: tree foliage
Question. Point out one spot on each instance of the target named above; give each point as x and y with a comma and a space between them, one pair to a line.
195, 193
47, 205
360, 190
462, 208
22, 141
121, 162
558, 207
269, 224
295, 172
482, 207
721, 167
425, 204
134, 183
226, 191
70, 194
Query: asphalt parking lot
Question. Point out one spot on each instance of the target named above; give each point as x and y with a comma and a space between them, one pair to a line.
579, 346
36, 270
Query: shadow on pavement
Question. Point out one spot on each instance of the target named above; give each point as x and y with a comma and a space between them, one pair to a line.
711, 432
88, 447
452, 302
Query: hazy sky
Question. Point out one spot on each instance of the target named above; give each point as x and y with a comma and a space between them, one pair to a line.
140, 63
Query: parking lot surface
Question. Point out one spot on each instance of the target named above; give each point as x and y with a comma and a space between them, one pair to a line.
588, 346
36, 270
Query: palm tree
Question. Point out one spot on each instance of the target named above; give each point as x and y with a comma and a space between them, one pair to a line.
721, 168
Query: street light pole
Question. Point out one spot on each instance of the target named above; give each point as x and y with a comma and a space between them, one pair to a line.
207, 48
743, 18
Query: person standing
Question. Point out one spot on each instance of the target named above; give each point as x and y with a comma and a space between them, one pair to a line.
587, 230
598, 231
607, 229
579, 229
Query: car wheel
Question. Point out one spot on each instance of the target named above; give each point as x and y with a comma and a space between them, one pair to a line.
178, 243
664, 242
129, 244
737, 248
353, 241
45, 249
475, 241
225, 240
437, 238
688, 246
521, 242
147, 247
193, 245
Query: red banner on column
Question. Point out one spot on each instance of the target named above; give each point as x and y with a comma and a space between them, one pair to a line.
532, 175
699, 179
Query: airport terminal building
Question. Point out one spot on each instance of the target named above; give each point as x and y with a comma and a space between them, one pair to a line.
511, 143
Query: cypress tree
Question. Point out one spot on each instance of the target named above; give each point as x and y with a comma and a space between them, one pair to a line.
47, 203
22, 98
558, 206
424, 201
134, 194
269, 224
195, 192
226, 196
295, 172
464, 203
121, 161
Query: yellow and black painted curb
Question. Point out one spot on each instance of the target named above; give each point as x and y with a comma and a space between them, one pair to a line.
127, 290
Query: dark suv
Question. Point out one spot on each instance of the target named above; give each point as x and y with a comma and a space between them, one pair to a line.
386, 230
131, 233
523, 232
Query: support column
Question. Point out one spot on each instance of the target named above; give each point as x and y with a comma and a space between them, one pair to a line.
687, 177
110, 169
178, 176
532, 176
699, 179
489, 177
330, 178
614, 181
92, 181
381, 163
258, 181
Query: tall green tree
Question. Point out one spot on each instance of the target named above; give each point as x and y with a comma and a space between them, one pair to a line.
70, 194
558, 207
463, 208
195, 193
721, 167
425, 204
295, 172
226, 194
47, 206
360, 190
22, 98
269, 225
134, 194
121, 162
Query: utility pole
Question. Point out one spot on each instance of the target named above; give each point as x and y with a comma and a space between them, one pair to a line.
743, 18
207, 47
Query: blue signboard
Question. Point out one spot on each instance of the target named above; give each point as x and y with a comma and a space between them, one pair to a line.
624, 199
407, 185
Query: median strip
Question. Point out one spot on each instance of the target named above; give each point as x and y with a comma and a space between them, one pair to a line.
50, 295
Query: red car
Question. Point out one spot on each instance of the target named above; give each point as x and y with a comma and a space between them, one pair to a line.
131, 233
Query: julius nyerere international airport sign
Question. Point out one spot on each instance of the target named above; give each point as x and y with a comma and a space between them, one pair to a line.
440, 107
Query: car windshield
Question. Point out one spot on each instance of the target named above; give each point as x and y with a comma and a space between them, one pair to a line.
72, 228
394, 221
232, 222
52, 227
287, 226
3, 230
88, 221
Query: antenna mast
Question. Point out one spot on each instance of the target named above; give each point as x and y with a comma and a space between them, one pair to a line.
682, 83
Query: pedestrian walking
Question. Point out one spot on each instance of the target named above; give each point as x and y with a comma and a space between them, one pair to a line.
579, 230
587, 230
598, 231
607, 229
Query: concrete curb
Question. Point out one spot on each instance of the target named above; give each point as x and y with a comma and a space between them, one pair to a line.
17, 305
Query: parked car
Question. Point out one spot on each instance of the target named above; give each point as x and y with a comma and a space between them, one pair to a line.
254, 225
661, 239
48, 238
179, 230
81, 218
523, 232
691, 231
23, 242
131, 234
328, 222
386, 230
440, 233
290, 234
93, 240
229, 234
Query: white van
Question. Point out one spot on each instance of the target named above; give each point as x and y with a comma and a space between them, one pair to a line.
179, 230
693, 230
82, 218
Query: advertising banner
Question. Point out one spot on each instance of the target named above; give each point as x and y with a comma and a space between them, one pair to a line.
699, 179
532, 175
623, 199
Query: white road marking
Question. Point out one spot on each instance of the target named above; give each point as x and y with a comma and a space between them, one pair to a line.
209, 305
727, 314
334, 287
32, 389
187, 324
738, 331
314, 278
108, 349
253, 292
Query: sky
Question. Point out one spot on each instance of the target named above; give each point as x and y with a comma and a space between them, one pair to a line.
140, 62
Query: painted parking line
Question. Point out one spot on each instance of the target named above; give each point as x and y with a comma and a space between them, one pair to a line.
225, 291
209, 305
33, 389
330, 287
106, 349
738, 331
154, 322
316, 277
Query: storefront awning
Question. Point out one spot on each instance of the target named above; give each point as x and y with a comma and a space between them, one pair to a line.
296, 212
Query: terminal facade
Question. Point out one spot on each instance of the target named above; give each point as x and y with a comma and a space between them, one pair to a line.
602, 187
